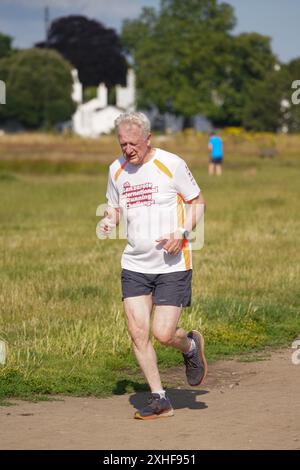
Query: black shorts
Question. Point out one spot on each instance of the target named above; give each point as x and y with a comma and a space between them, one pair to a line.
216, 161
166, 289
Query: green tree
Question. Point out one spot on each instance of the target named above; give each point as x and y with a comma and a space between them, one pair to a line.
38, 88
5, 45
94, 50
188, 62
269, 106
177, 51
248, 62
294, 68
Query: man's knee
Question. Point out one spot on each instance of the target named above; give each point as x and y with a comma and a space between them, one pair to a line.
139, 337
164, 337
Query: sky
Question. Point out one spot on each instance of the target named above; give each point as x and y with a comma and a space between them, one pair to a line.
279, 19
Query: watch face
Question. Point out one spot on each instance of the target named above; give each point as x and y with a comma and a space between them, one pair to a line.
186, 234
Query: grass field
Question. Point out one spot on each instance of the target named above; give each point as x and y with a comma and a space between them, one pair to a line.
61, 313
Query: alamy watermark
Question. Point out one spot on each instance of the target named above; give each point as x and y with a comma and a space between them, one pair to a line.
296, 95
296, 353
2, 92
156, 224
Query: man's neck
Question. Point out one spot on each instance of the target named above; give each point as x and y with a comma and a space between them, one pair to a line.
149, 155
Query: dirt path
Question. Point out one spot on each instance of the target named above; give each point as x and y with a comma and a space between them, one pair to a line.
252, 405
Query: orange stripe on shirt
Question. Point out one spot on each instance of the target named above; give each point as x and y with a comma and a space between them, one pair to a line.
180, 222
180, 211
117, 174
163, 168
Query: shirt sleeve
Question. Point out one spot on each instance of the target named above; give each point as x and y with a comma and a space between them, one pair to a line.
185, 183
112, 193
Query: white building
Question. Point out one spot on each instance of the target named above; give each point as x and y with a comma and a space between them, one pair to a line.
77, 87
96, 117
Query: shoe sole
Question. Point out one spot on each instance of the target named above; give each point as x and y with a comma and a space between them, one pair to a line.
201, 357
167, 414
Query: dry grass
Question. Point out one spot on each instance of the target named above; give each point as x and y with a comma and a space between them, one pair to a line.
38, 146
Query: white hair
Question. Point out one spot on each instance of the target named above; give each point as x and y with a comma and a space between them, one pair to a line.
139, 119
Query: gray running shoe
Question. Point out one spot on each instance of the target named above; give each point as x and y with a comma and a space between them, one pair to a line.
157, 408
195, 365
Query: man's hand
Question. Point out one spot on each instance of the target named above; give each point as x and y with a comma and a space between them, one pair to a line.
172, 243
106, 226
109, 222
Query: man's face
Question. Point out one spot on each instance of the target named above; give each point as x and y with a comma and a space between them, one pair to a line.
133, 143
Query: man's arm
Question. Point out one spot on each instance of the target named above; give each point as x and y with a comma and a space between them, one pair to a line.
195, 210
110, 220
173, 243
113, 214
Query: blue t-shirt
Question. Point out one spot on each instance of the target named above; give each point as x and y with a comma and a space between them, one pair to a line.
217, 146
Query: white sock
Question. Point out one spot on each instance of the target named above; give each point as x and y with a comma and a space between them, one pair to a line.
192, 346
161, 393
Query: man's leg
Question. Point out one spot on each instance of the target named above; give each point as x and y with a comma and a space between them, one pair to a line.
211, 169
167, 332
219, 169
165, 329
138, 313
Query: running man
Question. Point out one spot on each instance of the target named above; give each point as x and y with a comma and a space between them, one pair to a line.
148, 187
215, 146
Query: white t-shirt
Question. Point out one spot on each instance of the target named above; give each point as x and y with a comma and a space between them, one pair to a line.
151, 198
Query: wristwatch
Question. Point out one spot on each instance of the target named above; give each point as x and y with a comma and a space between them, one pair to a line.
184, 232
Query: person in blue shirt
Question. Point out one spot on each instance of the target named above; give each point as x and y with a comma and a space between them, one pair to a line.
215, 146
